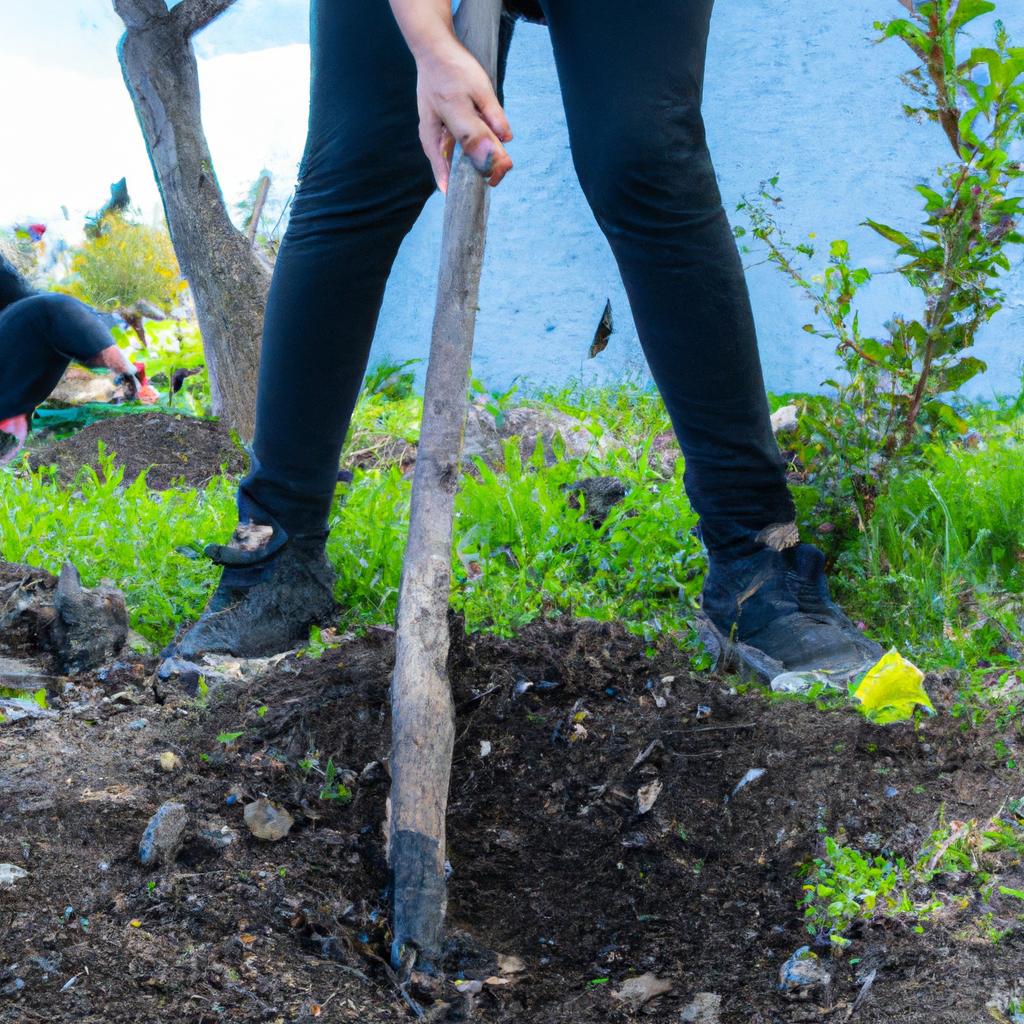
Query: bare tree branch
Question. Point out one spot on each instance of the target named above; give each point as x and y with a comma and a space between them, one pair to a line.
137, 13
194, 15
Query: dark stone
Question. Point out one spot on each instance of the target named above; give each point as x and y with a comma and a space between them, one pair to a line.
600, 495
79, 628
90, 625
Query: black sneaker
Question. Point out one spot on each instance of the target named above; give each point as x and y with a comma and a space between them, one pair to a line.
777, 602
805, 571
272, 589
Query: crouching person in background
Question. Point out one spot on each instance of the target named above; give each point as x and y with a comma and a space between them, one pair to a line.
40, 335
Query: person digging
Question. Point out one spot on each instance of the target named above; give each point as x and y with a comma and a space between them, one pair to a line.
391, 89
40, 335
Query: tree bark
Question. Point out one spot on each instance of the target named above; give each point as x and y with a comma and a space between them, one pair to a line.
423, 719
228, 280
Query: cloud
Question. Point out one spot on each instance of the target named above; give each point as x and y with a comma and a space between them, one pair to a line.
75, 132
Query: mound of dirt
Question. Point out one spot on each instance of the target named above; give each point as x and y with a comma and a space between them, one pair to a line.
596, 834
172, 449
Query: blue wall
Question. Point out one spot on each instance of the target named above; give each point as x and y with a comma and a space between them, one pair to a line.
788, 89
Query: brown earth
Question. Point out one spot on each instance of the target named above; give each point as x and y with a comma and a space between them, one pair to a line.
172, 449
550, 861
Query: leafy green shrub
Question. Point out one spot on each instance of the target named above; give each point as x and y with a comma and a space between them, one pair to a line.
124, 264
889, 399
845, 886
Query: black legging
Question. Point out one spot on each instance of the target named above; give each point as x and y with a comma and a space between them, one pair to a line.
631, 78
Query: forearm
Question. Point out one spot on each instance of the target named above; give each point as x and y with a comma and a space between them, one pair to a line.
426, 25
111, 358
454, 93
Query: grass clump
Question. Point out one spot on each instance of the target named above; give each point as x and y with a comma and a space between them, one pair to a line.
126, 534
846, 887
940, 569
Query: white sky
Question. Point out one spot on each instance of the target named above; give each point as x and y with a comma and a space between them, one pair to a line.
68, 129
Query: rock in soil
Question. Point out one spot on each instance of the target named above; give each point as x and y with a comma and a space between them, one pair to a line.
90, 625
704, 1009
266, 821
804, 976
637, 992
600, 495
10, 873
164, 835
80, 628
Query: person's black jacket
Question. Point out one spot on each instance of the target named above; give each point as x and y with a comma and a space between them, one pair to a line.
12, 285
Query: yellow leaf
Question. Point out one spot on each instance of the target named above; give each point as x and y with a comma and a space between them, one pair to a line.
892, 689
136, 923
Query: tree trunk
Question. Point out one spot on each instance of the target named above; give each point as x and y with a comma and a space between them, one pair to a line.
423, 720
228, 280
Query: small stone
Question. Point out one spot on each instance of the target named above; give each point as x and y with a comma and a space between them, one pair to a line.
164, 834
784, 419
803, 975
802, 682
636, 992
267, 821
138, 723
122, 697
13, 988
10, 873
752, 775
219, 837
647, 795
635, 840
169, 761
871, 841
509, 964
704, 1009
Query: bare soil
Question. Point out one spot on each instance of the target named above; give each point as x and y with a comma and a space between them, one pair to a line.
551, 862
169, 449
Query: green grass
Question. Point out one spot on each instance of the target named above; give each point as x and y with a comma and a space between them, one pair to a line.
940, 571
520, 551
126, 534
938, 574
